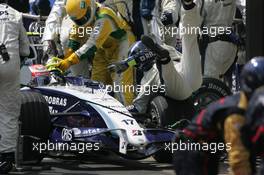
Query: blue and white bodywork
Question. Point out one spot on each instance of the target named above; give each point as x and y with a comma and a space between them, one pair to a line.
83, 111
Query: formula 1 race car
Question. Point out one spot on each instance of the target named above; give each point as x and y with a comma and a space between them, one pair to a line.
64, 114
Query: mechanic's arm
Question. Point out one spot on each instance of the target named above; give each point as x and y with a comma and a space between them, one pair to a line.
74, 42
170, 11
238, 155
102, 30
23, 41
58, 12
149, 80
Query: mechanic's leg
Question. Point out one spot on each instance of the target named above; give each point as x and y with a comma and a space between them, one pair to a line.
219, 56
189, 77
238, 154
82, 69
150, 78
10, 102
99, 70
127, 78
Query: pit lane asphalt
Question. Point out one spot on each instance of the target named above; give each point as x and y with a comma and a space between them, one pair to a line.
105, 165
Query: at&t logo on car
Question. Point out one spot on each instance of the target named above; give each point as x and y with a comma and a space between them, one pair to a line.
86, 132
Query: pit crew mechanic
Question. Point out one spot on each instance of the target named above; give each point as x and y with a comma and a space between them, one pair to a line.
56, 33
14, 43
146, 17
222, 121
180, 79
253, 131
109, 43
218, 45
55, 29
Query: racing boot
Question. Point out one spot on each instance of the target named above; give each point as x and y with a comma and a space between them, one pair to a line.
163, 56
6, 162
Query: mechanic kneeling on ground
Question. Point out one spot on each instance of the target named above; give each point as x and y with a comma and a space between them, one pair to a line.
180, 79
253, 131
221, 123
13, 44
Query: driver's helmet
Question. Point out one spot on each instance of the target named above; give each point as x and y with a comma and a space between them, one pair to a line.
82, 12
142, 55
252, 75
40, 76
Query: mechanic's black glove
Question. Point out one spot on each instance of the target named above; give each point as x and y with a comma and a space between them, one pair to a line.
163, 55
166, 18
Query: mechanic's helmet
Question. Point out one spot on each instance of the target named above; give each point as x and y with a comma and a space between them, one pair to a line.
82, 12
142, 55
252, 75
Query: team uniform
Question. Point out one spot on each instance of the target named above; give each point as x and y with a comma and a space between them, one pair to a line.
218, 49
235, 121
220, 122
180, 79
13, 36
253, 131
58, 28
108, 42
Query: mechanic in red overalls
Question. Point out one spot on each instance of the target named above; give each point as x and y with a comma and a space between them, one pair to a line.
221, 122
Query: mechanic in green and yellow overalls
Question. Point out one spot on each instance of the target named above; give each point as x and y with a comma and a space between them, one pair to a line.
108, 42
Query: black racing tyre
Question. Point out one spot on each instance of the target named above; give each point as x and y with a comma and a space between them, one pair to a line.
35, 121
165, 111
211, 90
158, 108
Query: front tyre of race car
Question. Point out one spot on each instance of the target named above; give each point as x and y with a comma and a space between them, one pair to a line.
35, 122
158, 108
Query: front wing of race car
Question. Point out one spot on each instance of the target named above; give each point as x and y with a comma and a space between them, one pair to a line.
103, 139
